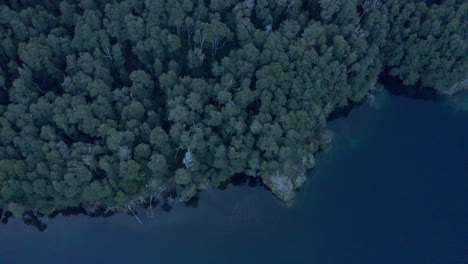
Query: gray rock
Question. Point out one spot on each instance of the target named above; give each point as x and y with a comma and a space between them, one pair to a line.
281, 186
299, 181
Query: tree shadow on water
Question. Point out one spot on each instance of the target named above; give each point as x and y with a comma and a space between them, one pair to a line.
396, 87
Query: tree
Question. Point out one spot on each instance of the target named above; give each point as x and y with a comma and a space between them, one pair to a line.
135, 110
182, 176
158, 165
104, 102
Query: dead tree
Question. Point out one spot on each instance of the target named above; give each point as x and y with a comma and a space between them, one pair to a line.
457, 87
108, 54
137, 218
110, 208
3, 214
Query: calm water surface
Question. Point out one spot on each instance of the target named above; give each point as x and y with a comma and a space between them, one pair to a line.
392, 188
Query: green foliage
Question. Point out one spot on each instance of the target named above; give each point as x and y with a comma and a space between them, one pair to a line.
106, 101
428, 44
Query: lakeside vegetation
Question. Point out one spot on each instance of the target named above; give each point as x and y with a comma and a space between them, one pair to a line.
109, 104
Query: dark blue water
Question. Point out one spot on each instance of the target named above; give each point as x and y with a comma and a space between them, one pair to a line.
392, 188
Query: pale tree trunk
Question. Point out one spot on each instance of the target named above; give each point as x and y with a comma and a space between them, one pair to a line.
3, 214
459, 86
137, 218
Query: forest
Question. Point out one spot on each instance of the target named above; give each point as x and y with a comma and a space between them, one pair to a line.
114, 104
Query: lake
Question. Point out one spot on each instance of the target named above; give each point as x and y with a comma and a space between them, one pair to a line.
391, 188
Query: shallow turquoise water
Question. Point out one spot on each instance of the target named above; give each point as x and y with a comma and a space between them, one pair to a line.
392, 188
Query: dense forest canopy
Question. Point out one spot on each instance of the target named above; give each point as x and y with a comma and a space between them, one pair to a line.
109, 103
